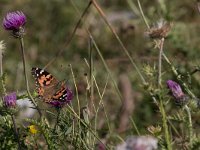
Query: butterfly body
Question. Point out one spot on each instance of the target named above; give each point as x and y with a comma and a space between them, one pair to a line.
50, 89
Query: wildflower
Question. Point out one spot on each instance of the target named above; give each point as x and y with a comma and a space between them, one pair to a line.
139, 143
10, 100
68, 98
180, 97
33, 129
15, 21
160, 30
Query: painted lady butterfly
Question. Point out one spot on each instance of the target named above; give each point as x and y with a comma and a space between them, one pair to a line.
50, 89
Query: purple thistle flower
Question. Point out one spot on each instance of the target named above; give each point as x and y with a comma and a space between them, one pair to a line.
175, 89
10, 100
68, 98
177, 92
14, 20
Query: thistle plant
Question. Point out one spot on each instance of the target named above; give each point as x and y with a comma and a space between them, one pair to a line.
15, 22
168, 97
180, 98
10, 100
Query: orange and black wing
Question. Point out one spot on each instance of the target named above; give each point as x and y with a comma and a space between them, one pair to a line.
45, 83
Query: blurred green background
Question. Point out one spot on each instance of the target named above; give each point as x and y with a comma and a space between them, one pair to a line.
50, 23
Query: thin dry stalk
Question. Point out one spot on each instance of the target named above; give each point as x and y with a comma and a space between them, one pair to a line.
127, 103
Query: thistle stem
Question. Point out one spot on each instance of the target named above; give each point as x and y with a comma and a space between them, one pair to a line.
189, 124
142, 13
57, 119
165, 126
16, 132
160, 62
1, 62
1, 74
25, 75
174, 70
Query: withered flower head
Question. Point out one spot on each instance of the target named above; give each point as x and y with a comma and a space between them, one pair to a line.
160, 30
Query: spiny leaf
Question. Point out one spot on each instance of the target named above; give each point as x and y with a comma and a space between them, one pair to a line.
195, 144
177, 117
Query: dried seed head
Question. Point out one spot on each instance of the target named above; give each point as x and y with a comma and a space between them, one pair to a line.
160, 30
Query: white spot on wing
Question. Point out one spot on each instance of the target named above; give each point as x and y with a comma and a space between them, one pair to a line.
41, 71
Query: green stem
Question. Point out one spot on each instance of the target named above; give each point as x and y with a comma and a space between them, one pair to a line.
77, 95
165, 126
1, 62
133, 7
86, 125
106, 67
102, 14
178, 77
189, 124
46, 137
101, 56
101, 98
2, 86
142, 13
16, 132
134, 125
25, 74
160, 62
91, 67
57, 119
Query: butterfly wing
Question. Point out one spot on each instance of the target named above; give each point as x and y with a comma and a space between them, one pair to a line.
62, 96
45, 83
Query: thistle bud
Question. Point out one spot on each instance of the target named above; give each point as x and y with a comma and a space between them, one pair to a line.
10, 100
176, 91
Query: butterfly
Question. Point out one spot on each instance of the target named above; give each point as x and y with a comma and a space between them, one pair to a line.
50, 89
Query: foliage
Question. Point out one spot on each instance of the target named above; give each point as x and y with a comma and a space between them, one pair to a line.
91, 54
